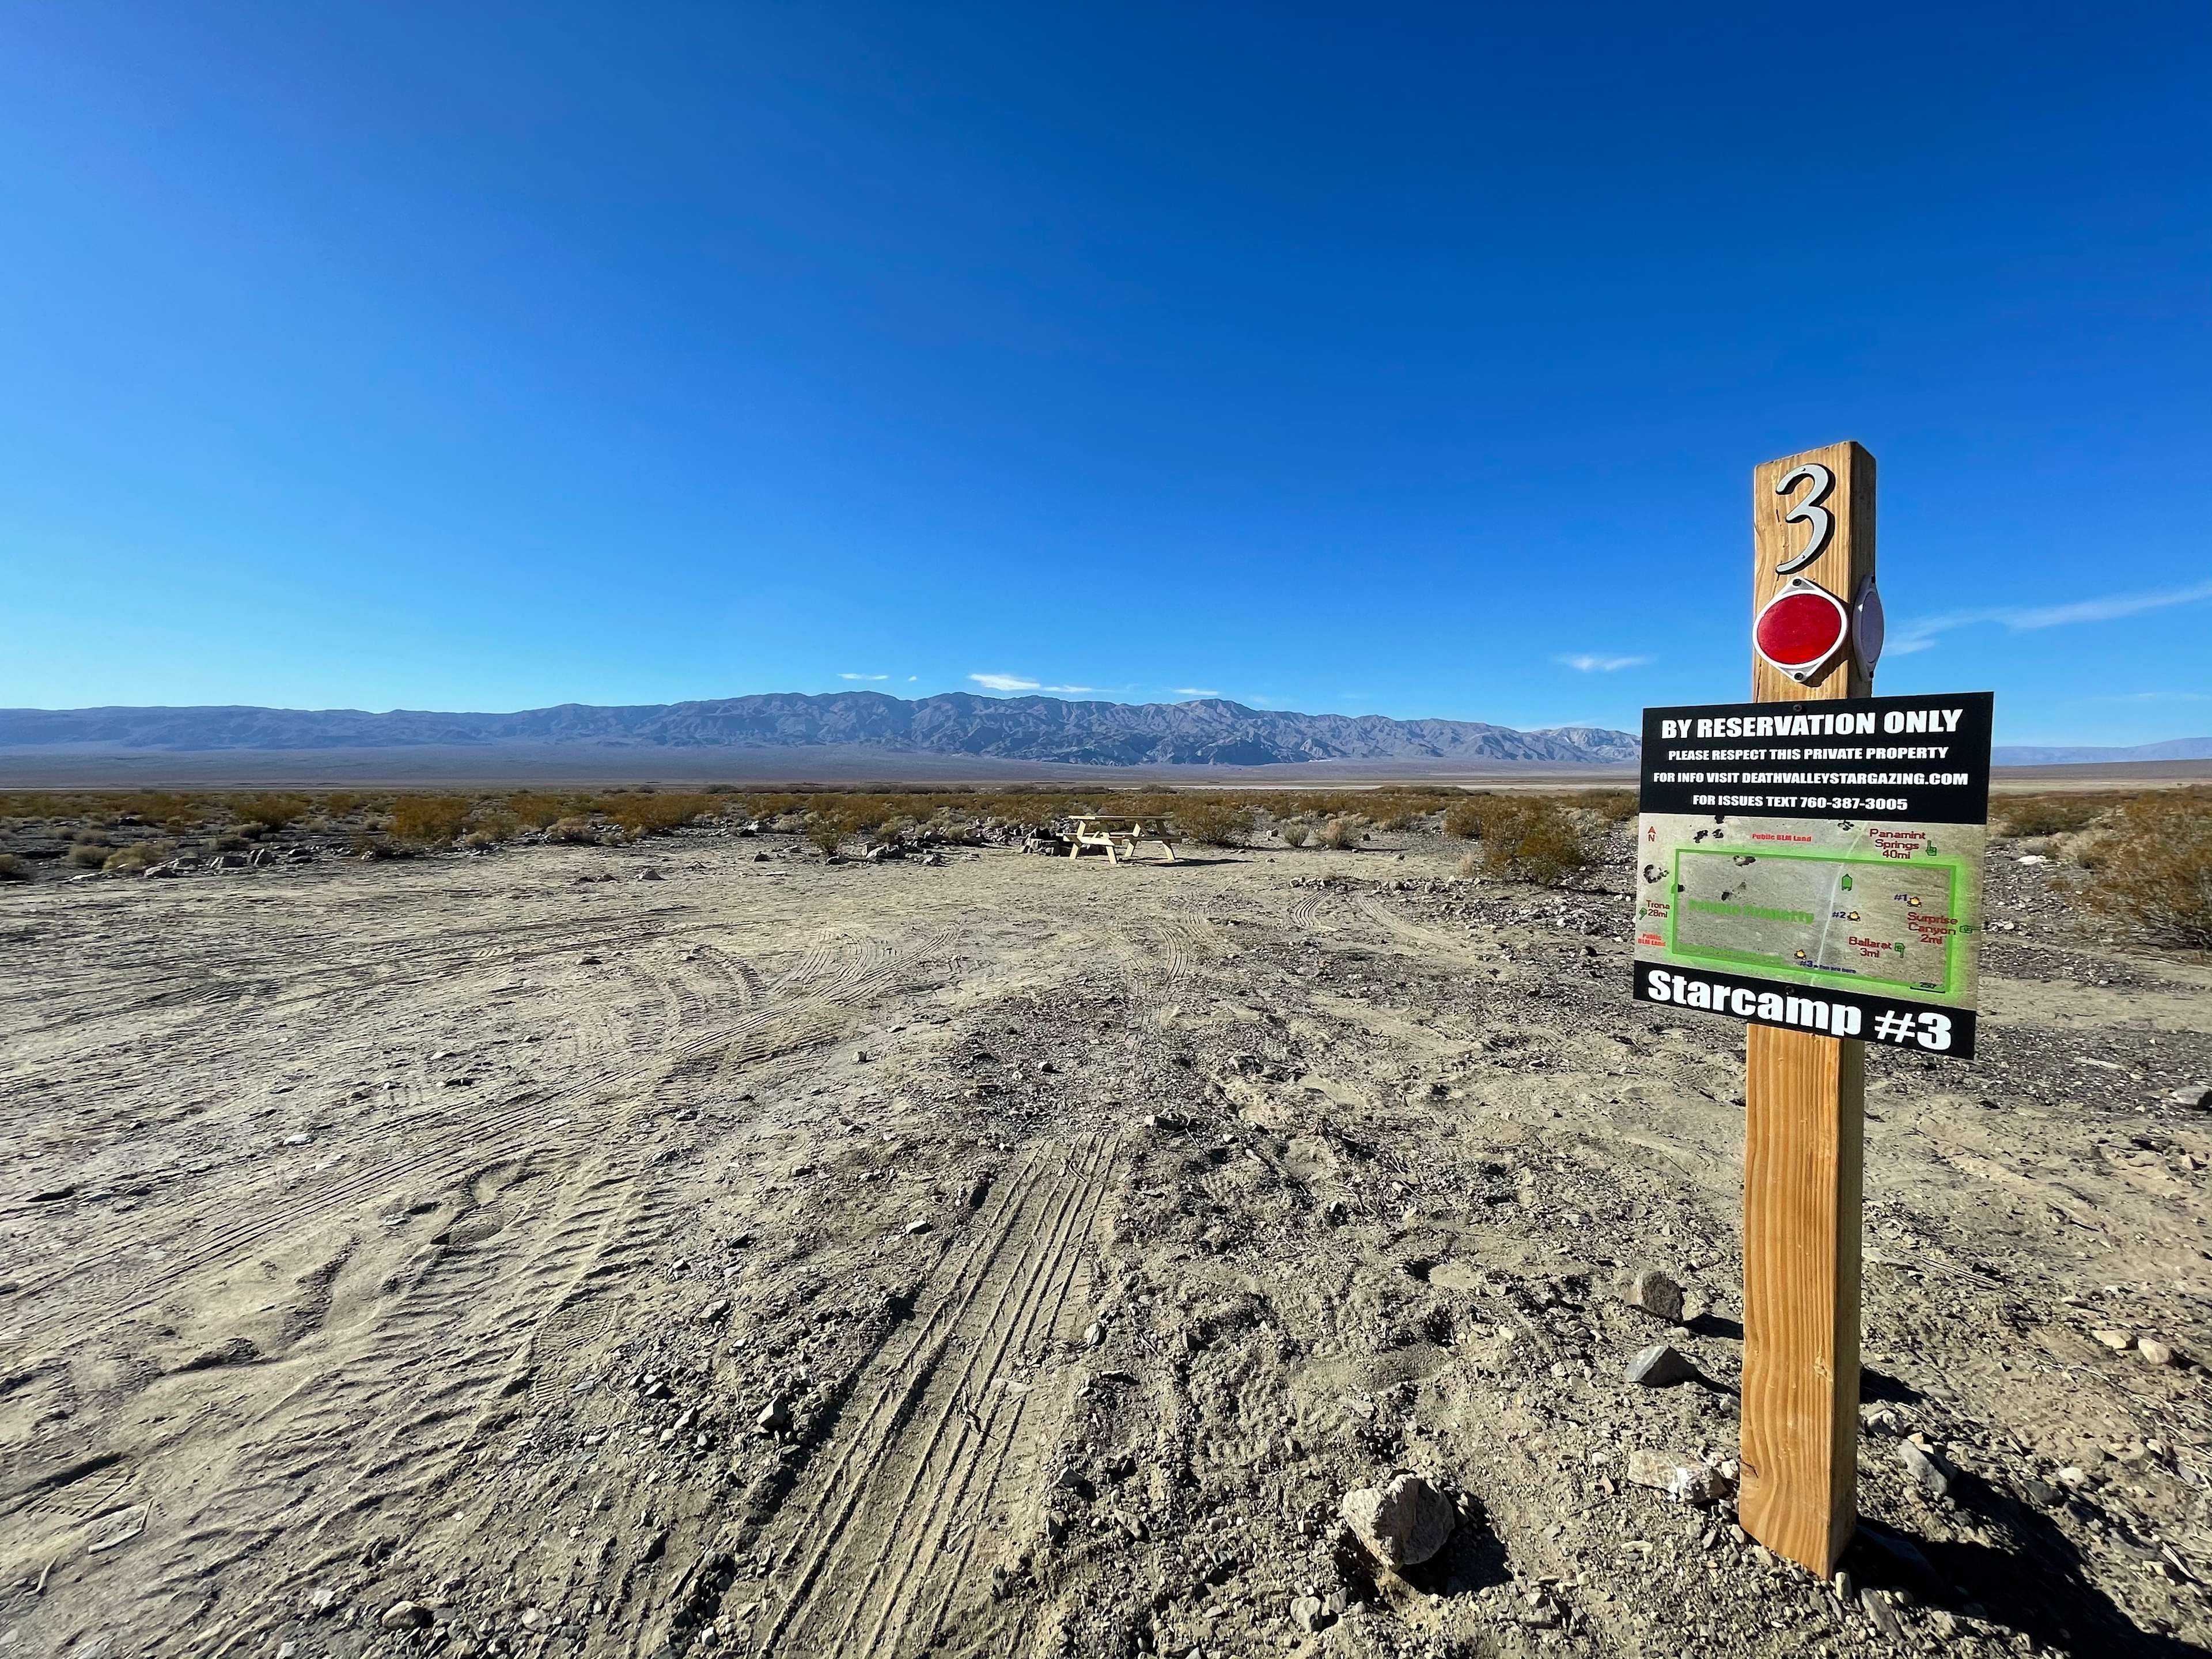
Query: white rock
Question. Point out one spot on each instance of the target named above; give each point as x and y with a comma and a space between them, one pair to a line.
1688, 1483
1400, 1525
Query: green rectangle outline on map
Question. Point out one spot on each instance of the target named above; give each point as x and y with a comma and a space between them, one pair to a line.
1961, 886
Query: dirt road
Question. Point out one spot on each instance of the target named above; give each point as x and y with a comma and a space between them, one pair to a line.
511, 1254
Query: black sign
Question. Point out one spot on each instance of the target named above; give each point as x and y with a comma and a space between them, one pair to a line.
1920, 760
1824, 1009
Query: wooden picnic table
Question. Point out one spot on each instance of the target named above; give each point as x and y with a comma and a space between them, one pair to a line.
1117, 832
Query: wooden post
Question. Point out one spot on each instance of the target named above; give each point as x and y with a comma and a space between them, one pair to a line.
1805, 1101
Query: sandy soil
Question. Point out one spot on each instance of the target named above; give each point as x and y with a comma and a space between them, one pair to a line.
507, 1254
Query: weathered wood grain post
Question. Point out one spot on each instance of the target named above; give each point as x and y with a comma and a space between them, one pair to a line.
1813, 516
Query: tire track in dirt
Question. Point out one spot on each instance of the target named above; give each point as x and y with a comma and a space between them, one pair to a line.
866, 1542
420, 1392
252, 987
456, 1146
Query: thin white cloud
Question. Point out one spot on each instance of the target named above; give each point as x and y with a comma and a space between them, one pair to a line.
1015, 683
864, 677
1590, 663
1194, 691
1921, 635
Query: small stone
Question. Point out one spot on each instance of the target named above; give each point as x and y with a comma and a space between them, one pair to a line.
2196, 1097
1094, 1333
299, 1137
1400, 1525
1688, 1483
1927, 1471
914, 1227
1881, 1615
1306, 1613
774, 1417
2118, 1342
1657, 1295
322, 1600
405, 1615
2154, 1352
648, 874
1659, 1367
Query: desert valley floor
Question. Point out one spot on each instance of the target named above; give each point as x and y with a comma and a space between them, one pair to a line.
506, 1254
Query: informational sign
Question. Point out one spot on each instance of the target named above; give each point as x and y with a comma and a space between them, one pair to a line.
1817, 865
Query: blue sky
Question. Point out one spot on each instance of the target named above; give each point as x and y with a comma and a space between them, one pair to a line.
1400, 359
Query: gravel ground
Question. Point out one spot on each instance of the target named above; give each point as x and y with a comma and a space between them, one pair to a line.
511, 1254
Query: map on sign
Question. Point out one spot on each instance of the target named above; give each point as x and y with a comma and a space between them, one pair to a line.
1881, 907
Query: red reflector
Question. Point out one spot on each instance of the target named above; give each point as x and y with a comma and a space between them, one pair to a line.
1801, 628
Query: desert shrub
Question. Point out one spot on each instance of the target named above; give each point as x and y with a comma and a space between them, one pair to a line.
138, 857
87, 854
343, 802
1034, 811
2152, 868
2047, 815
574, 830
642, 812
890, 831
539, 811
1469, 866
489, 824
1463, 819
1294, 834
435, 819
13, 868
276, 811
1612, 805
1339, 833
1528, 838
169, 810
1211, 822
231, 842
826, 831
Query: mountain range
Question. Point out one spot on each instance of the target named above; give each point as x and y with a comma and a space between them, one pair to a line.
1205, 731
2178, 749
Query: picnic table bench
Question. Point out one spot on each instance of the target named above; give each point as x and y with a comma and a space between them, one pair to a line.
1117, 833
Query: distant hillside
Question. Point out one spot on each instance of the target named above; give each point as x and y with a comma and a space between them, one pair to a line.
2180, 748
1209, 731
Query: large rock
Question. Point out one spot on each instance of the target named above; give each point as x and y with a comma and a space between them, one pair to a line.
1400, 1525
1690, 1483
1656, 1294
1927, 1471
1659, 1367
